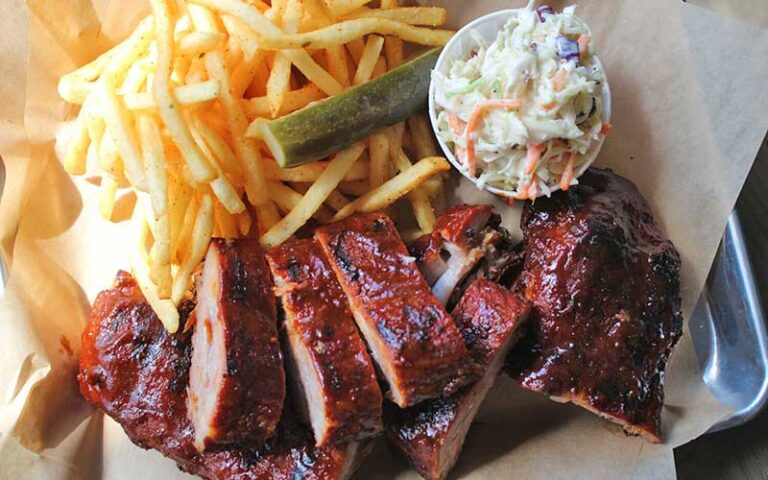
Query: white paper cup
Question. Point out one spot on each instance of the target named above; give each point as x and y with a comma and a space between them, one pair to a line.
459, 46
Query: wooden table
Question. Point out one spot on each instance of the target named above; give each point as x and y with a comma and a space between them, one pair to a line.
742, 452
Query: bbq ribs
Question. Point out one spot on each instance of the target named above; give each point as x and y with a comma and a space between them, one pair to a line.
410, 335
334, 376
136, 372
431, 434
605, 287
237, 382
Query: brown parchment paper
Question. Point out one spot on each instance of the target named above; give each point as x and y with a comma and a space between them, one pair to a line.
690, 108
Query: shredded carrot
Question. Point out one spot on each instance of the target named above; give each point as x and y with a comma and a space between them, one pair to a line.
456, 124
558, 80
461, 154
583, 42
606, 128
567, 177
474, 120
549, 105
532, 158
533, 187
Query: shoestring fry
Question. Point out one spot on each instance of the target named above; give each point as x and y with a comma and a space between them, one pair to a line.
168, 114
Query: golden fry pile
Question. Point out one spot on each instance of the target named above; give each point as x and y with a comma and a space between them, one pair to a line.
172, 114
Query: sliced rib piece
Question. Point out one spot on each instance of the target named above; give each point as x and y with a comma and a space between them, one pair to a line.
335, 376
430, 257
432, 433
605, 285
468, 242
237, 381
411, 337
459, 227
133, 370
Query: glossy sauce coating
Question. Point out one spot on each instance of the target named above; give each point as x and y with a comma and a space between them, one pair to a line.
317, 314
432, 433
460, 224
605, 285
249, 398
420, 350
133, 370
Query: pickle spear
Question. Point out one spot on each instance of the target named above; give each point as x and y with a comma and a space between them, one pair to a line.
330, 125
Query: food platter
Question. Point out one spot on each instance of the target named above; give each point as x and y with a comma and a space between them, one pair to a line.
306, 198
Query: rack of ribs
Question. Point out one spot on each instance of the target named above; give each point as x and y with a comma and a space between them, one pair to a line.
237, 381
432, 433
411, 337
605, 286
136, 372
334, 376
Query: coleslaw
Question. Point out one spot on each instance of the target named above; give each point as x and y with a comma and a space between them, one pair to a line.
523, 112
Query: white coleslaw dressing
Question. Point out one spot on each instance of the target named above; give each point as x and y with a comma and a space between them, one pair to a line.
537, 106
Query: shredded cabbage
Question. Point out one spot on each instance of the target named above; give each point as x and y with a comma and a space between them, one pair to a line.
561, 112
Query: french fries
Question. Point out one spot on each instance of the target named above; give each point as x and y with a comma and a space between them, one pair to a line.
429, 16
350, 29
395, 188
314, 198
170, 115
368, 59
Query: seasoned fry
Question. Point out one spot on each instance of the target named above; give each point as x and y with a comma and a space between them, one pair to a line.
118, 122
421, 136
314, 72
186, 95
165, 309
317, 15
134, 78
393, 48
107, 193
75, 86
395, 188
278, 83
348, 30
342, 7
168, 106
74, 160
368, 59
195, 43
379, 153
311, 172
287, 199
314, 197
244, 223
258, 107
336, 58
157, 181
185, 233
427, 16
267, 216
220, 148
200, 238
279, 79
422, 209
224, 221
